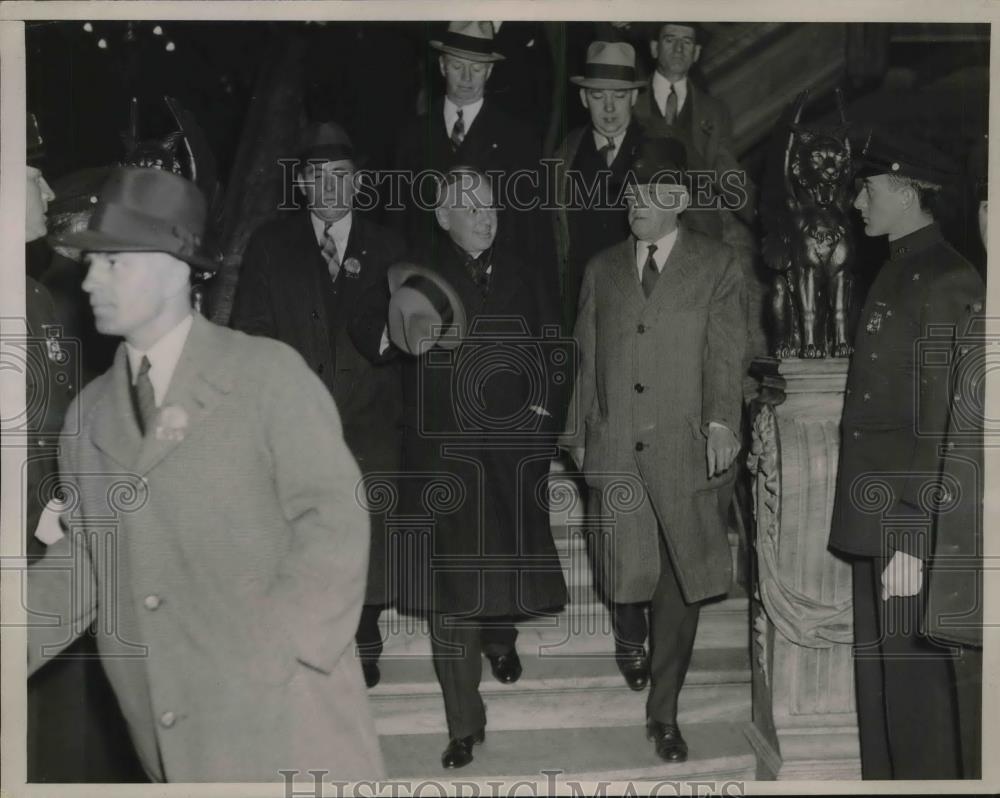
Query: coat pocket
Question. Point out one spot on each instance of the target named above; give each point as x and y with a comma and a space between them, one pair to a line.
697, 465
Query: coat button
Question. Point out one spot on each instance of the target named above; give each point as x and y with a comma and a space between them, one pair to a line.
152, 602
315, 315
856, 434
867, 396
641, 329
639, 387
168, 719
640, 446
874, 355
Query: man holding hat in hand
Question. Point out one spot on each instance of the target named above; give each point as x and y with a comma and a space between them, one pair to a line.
592, 164
896, 413
210, 518
301, 280
657, 396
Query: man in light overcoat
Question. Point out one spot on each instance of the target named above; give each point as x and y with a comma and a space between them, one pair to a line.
656, 404
210, 519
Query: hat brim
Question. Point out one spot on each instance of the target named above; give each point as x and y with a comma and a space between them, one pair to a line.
469, 54
606, 83
398, 274
95, 241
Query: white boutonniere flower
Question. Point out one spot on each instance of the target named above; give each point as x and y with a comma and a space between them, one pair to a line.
171, 423
353, 267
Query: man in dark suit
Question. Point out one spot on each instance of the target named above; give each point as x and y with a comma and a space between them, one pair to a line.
675, 107
467, 128
889, 489
592, 164
657, 400
303, 275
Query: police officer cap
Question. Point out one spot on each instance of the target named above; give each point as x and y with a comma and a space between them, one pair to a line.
879, 153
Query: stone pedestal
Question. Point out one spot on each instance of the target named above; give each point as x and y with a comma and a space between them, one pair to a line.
804, 719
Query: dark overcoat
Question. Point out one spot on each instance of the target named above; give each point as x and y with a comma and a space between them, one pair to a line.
495, 142
897, 400
653, 374
285, 292
476, 458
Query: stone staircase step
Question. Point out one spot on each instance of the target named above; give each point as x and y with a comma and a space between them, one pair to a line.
718, 751
580, 629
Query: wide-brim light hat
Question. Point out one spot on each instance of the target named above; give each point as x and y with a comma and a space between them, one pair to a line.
145, 210
424, 310
610, 65
471, 40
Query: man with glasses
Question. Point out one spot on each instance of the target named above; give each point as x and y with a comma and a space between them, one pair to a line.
302, 277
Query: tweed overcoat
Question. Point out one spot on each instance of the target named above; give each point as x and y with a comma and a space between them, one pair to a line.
476, 459
225, 559
653, 373
285, 292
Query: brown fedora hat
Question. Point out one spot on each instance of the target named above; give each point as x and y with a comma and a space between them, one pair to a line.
610, 65
471, 40
326, 141
424, 310
144, 210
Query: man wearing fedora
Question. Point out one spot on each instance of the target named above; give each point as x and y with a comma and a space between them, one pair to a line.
657, 396
592, 164
466, 127
302, 278
209, 519
675, 107
897, 407
481, 383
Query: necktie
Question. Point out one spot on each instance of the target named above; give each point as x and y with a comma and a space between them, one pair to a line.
609, 150
329, 251
670, 110
144, 398
458, 131
649, 272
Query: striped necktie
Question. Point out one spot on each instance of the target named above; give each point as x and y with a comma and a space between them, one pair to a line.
670, 109
608, 150
329, 251
458, 131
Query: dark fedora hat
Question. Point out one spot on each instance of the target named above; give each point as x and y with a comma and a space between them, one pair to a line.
424, 310
470, 40
610, 65
659, 160
144, 210
326, 141
882, 152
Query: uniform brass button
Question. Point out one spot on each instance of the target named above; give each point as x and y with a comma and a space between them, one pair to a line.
874, 355
867, 396
168, 719
640, 446
639, 387
856, 434
641, 329
151, 602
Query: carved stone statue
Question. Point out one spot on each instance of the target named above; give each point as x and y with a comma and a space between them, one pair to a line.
809, 242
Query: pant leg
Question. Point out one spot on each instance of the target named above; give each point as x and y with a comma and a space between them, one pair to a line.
868, 680
459, 668
969, 693
369, 637
920, 706
673, 625
498, 636
628, 622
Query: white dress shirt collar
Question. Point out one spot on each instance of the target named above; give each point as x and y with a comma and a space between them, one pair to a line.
664, 246
469, 114
163, 357
661, 90
341, 230
600, 140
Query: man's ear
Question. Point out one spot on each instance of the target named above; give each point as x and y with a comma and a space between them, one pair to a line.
441, 64
583, 98
635, 97
697, 54
441, 214
489, 71
654, 48
683, 199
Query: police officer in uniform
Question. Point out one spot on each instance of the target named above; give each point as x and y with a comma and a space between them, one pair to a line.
888, 489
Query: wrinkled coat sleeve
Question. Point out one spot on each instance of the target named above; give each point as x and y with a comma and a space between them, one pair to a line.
725, 344
584, 396
252, 309
317, 594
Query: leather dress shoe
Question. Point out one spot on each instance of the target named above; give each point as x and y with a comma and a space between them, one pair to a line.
458, 754
372, 673
506, 667
670, 746
634, 666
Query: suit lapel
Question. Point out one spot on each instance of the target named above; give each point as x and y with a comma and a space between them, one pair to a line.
680, 263
624, 273
200, 381
114, 429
